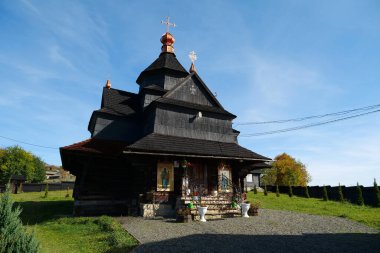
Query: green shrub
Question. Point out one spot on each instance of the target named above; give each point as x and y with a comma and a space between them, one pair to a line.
307, 195
277, 191
254, 189
265, 190
290, 191
325, 195
13, 236
376, 193
359, 195
340, 193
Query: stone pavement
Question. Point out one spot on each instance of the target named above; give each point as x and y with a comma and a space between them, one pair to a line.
271, 231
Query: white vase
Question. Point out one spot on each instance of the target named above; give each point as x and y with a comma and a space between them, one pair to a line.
202, 212
244, 210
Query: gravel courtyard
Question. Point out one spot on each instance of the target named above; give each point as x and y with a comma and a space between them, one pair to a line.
271, 231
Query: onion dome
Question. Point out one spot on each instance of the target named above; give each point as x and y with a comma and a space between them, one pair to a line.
167, 41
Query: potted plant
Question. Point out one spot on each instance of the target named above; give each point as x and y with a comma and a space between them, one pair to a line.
244, 209
254, 210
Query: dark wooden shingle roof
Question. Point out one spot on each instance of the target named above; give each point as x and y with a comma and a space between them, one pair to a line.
119, 102
166, 61
157, 143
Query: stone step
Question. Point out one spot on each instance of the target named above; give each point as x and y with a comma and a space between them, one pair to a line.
217, 216
209, 198
217, 211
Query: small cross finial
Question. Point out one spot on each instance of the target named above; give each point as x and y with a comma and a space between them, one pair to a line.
193, 56
168, 24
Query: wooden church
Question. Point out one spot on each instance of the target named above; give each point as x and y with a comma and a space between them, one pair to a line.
171, 141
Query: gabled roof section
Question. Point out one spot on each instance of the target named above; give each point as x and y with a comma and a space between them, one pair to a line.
119, 102
166, 61
193, 79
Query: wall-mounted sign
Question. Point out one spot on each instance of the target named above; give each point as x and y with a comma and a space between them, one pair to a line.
165, 176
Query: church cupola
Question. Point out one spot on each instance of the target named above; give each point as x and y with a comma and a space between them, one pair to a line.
167, 41
165, 71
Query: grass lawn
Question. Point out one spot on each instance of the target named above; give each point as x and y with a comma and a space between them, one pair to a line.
364, 214
51, 220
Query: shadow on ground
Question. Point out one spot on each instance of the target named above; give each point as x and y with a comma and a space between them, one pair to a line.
346, 243
34, 212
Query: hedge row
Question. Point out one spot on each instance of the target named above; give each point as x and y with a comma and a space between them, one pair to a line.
349, 193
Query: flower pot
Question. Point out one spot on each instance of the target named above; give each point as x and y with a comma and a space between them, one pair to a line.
202, 212
244, 210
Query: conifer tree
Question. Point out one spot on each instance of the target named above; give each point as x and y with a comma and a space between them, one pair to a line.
290, 191
325, 195
254, 189
277, 191
359, 195
67, 193
376, 193
46, 190
307, 195
13, 236
265, 190
340, 193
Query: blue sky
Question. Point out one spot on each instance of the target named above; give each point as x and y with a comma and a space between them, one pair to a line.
266, 60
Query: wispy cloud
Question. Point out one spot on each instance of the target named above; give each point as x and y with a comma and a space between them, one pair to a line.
55, 55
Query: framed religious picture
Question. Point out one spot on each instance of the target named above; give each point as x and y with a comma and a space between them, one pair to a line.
225, 178
165, 176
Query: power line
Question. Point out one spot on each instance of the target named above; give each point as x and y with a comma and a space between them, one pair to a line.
307, 126
27, 143
309, 117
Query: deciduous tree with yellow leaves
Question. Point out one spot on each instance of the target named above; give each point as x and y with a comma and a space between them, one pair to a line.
285, 171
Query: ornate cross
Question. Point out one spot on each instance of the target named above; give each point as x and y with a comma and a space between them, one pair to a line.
193, 56
168, 24
192, 89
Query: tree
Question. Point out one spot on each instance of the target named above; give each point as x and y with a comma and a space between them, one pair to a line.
277, 191
325, 195
16, 161
265, 190
46, 190
254, 189
340, 193
359, 195
13, 236
307, 195
286, 170
290, 193
376, 193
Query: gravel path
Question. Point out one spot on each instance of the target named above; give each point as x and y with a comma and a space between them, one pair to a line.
271, 231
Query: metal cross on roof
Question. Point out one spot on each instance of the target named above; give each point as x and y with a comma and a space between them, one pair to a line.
193, 56
168, 24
